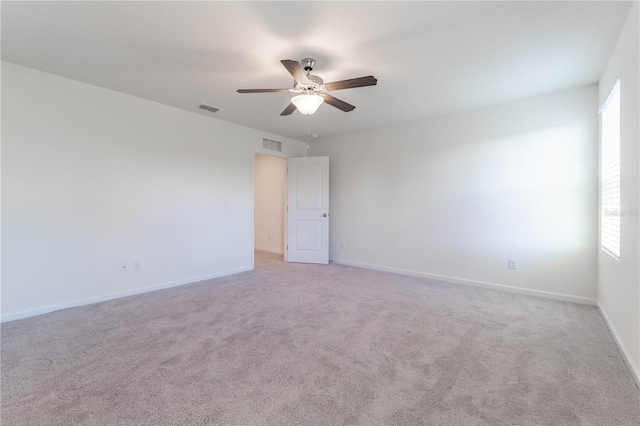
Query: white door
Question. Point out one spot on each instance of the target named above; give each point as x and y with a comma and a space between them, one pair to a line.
308, 210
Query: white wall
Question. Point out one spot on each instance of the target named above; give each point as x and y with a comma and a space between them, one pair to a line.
619, 280
270, 177
457, 196
92, 178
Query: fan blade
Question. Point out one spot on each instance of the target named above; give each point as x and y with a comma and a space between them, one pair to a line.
335, 102
262, 90
352, 83
296, 70
288, 110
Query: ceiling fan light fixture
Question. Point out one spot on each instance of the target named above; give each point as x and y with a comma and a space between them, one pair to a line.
308, 86
307, 104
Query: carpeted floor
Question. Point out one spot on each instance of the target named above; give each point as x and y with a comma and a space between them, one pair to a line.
317, 345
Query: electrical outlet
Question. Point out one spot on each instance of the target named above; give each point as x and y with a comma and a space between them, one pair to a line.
343, 245
124, 267
137, 265
513, 264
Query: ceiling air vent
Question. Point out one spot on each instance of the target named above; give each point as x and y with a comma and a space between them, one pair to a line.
271, 144
209, 108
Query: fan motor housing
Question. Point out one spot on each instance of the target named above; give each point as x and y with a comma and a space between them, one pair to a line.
315, 83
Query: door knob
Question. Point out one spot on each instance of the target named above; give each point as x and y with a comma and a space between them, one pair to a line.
324, 215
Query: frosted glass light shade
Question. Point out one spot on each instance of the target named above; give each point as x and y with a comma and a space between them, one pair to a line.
307, 104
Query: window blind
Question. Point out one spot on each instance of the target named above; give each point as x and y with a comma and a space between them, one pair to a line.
610, 173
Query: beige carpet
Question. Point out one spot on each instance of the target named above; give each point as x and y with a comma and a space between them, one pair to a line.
316, 345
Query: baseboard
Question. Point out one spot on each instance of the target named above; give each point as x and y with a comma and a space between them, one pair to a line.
464, 281
635, 371
269, 250
83, 302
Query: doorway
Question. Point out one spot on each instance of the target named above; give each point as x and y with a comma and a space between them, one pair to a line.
269, 203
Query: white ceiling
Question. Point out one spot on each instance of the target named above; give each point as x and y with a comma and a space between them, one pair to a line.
430, 58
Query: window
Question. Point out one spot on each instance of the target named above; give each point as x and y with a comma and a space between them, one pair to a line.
610, 173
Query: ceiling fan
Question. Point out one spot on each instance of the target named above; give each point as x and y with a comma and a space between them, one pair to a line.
312, 89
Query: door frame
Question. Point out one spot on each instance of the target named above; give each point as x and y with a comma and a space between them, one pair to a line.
262, 151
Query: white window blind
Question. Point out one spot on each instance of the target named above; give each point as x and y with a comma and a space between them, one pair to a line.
610, 173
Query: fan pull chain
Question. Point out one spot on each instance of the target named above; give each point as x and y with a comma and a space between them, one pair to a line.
308, 130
